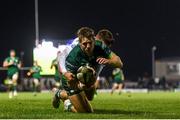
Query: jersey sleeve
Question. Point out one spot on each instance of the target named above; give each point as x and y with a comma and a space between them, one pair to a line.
72, 61
61, 59
104, 50
75, 42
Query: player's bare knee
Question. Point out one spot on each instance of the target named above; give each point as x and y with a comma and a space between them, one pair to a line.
63, 95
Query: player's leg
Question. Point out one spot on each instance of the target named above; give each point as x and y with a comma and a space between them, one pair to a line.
77, 97
14, 83
8, 82
80, 102
10, 88
115, 85
60, 94
68, 106
120, 86
35, 86
90, 92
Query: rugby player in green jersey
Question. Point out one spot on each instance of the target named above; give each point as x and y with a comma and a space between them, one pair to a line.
35, 72
90, 52
107, 38
13, 64
57, 75
118, 78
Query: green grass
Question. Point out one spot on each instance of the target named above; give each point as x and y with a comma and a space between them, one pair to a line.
127, 105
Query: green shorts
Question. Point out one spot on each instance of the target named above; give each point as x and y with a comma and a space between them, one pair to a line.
10, 74
118, 81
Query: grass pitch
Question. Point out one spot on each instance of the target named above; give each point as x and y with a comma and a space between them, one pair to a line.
127, 105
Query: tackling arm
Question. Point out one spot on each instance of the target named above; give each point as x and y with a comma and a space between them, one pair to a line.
113, 60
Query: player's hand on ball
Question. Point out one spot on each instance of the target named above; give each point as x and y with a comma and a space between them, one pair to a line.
69, 76
102, 61
81, 86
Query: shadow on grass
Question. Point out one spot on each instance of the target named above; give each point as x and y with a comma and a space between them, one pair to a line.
103, 111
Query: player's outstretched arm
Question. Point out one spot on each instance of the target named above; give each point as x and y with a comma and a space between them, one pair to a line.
113, 60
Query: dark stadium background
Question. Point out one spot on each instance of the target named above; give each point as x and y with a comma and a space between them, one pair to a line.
136, 25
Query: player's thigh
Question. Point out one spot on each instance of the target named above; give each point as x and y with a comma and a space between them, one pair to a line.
115, 85
81, 103
120, 85
36, 81
14, 77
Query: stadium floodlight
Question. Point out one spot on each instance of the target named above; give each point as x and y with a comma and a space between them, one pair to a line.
47, 44
36, 23
153, 62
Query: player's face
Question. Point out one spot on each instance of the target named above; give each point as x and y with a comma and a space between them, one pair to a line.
87, 45
12, 54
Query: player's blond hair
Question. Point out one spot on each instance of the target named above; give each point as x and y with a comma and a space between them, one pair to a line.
85, 32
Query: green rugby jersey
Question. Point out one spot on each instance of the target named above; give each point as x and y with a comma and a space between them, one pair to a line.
118, 74
36, 72
78, 58
55, 64
57, 74
12, 69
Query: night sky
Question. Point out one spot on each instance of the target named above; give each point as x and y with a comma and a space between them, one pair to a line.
137, 25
